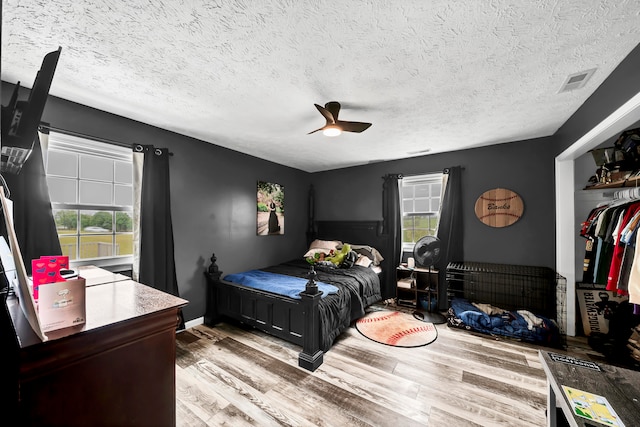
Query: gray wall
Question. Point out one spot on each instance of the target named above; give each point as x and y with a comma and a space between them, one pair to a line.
525, 167
213, 197
213, 189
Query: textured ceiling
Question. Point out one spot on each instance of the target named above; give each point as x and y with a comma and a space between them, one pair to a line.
435, 75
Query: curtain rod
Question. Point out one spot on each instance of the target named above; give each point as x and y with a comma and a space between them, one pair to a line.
83, 135
95, 138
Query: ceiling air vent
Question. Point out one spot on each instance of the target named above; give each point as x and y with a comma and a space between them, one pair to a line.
425, 151
576, 80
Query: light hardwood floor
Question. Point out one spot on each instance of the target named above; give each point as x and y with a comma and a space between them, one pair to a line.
230, 375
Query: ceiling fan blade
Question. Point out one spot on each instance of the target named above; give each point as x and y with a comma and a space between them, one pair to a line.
331, 119
314, 131
353, 126
334, 108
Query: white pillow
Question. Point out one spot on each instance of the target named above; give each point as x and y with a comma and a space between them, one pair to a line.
325, 246
363, 261
331, 244
312, 252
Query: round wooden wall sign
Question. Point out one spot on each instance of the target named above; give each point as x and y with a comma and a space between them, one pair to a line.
499, 207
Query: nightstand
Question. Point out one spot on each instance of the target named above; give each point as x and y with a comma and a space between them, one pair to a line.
414, 285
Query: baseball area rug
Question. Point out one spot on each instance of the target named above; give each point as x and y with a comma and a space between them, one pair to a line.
396, 329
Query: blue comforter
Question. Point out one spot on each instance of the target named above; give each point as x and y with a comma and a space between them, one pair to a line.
277, 283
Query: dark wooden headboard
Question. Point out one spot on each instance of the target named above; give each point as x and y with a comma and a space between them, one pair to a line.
355, 232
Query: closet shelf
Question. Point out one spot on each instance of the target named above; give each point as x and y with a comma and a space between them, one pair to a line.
632, 181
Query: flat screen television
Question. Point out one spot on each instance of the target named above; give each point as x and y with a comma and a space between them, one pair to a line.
21, 118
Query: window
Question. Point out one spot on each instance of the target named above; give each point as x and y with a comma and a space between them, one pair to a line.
421, 195
91, 189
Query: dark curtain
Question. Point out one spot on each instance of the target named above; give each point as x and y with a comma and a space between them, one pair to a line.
157, 267
392, 227
32, 214
312, 215
450, 228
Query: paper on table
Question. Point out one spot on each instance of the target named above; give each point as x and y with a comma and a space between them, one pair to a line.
592, 407
22, 289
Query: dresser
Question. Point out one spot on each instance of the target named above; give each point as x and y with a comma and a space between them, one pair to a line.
116, 369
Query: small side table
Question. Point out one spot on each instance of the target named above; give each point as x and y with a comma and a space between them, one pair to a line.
619, 386
419, 284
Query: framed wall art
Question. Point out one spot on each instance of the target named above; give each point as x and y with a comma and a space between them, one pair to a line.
270, 209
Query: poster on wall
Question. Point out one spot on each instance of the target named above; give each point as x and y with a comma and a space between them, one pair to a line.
270, 208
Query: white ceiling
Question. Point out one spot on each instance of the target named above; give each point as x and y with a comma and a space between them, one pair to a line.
436, 75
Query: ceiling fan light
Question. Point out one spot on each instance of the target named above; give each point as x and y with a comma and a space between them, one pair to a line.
332, 130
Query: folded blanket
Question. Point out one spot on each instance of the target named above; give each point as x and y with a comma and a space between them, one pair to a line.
531, 319
489, 309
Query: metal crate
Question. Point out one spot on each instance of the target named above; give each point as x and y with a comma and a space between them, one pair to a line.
510, 287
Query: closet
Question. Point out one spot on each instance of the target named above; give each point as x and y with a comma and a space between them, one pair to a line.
608, 277
610, 233
568, 199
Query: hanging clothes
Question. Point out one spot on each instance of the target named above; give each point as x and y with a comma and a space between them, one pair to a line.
618, 246
634, 277
599, 229
628, 243
593, 246
610, 222
627, 258
588, 232
610, 257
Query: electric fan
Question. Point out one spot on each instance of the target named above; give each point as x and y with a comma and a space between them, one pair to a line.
426, 253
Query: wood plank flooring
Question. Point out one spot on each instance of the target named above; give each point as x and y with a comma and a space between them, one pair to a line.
229, 375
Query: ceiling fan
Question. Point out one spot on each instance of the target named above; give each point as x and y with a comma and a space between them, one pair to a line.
335, 127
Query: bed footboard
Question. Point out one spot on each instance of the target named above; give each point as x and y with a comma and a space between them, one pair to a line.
293, 320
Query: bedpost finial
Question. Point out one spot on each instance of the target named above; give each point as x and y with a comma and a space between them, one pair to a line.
312, 286
213, 268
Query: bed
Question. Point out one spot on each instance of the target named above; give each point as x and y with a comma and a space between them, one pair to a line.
305, 316
488, 319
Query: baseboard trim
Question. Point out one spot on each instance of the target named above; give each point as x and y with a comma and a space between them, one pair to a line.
194, 322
